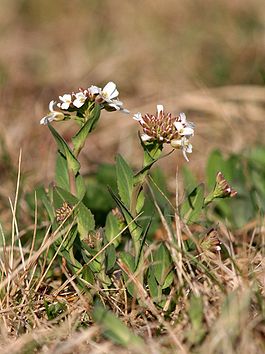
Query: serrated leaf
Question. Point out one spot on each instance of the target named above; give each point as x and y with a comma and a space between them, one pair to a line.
192, 205
80, 137
73, 163
124, 181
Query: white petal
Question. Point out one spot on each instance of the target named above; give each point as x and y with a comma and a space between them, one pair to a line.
66, 98
145, 137
65, 105
160, 108
110, 90
124, 110
187, 132
138, 117
47, 119
189, 148
185, 155
51, 106
78, 103
176, 143
94, 90
179, 126
183, 117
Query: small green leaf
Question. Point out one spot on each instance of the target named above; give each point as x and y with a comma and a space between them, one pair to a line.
192, 205
124, 181
73, 163
114, 329
54, 310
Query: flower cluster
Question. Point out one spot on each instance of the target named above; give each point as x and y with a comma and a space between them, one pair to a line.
165, 128
210, 244
107, 98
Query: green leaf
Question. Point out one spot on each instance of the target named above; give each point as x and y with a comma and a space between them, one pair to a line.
195, 311
153, 285
73, 163
61, 172
168, 281
190, 181
114, 329
215, 163
80, 186
162, 264
80, 137
110, 257
124, 181
54, 310
193, 204
112, 229
42, 195
152, 152
134, 228
129, 262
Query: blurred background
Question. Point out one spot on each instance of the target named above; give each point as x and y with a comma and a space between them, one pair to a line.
206, 58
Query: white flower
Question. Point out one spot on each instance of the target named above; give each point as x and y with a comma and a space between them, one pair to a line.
109, 92
52, 115
184, 131
80, 99
66, 99
108, 95
182, 144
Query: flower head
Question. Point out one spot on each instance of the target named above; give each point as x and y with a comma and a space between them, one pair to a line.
222, 189
165, 128
210, 244
52, 115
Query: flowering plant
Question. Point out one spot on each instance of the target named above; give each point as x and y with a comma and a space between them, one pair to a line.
94, 253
